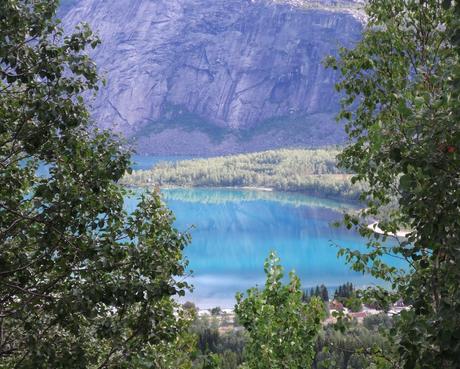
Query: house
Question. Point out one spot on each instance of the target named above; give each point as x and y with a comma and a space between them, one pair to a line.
359, 316
335, 305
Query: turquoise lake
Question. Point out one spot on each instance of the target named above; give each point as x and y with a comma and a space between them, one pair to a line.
234, 230
143, 162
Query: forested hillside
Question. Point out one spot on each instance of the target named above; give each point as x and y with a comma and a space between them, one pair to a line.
308, 171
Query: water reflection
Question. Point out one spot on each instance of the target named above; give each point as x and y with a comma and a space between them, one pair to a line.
225, 195
234, 230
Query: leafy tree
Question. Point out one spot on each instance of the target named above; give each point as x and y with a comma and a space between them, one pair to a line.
172, 354
83, 284
208, 339
353, 349
227, 347
401, 104
354, 304
188, 305
229, 360
211, 361
215, 311
375, 322
282, 329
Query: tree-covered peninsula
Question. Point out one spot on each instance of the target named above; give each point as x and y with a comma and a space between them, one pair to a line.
297, 170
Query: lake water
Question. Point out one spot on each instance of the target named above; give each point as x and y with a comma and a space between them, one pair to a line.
234, 231
139, 162
143, 162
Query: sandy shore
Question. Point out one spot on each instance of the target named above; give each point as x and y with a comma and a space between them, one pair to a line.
375, 227
268, 189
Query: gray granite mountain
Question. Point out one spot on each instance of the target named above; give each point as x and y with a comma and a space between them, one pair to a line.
217, 76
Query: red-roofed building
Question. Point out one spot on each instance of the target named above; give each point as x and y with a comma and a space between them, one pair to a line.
335, 305
359, 316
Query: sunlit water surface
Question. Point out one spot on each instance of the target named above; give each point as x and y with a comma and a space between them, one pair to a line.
233, 231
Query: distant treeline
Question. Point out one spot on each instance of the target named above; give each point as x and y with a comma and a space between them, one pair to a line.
296, 170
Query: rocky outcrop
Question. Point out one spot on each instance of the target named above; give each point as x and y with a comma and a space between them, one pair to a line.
227, 73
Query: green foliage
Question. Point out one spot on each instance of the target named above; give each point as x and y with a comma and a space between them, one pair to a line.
169, 354
229, 360
357, 348
282, 329
378, 321
354, 304
308, 171
347, 295
83, 284
190, 306
227, 347
401, 103
216, 311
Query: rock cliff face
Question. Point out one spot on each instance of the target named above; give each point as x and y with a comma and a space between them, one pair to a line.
217, 76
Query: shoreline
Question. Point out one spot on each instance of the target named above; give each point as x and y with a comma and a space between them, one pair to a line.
252, 188
174, 187
351, 201
375, 228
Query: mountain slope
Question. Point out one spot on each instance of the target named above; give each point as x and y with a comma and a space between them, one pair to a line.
217, 76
